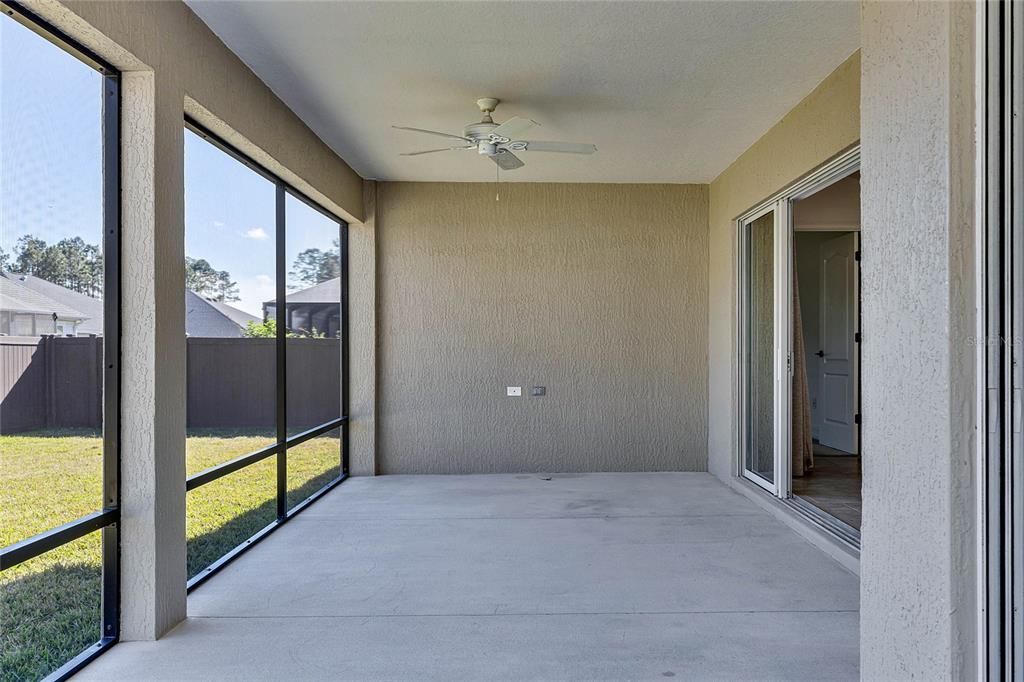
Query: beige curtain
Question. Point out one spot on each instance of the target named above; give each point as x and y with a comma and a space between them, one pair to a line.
803, 444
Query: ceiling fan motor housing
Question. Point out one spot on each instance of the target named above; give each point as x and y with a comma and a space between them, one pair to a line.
479, 131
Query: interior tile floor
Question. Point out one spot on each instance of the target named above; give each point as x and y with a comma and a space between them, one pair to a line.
834, 486
592, 576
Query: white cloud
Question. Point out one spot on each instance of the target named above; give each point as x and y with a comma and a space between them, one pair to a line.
218, 223
256, 233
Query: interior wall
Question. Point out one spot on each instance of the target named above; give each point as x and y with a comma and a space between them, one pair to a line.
823, 124
818, 218
807, 262
597, 292
837, 207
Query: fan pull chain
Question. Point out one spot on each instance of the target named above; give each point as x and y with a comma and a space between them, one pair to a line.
497, 182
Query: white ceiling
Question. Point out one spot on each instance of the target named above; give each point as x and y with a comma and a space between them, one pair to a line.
669, 92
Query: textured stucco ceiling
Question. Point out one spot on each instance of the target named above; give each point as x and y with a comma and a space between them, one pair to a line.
669, 92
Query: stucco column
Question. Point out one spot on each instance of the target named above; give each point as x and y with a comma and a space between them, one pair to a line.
918, 537
153, 357
362, 260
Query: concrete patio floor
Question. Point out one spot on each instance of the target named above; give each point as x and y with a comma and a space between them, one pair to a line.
584, 576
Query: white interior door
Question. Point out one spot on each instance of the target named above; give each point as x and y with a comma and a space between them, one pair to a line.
837, 357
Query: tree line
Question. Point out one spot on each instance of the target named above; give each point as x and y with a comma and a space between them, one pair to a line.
74, 264
71, 263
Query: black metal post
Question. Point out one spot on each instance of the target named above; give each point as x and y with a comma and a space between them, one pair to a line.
111, 352
107, 520
282, 357
343, 255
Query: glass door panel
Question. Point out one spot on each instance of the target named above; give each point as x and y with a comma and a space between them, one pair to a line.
760, 314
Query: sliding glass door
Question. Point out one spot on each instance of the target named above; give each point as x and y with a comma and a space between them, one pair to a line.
759, 454
765, 368
765, 333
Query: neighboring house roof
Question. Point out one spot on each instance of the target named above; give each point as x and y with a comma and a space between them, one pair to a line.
20, 295
239, 317
90, 309
205, 318
328, 291
29, 294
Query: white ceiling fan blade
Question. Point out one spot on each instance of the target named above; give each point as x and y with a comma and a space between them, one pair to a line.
434, 132
561, 147
431, 151
507, 161
514, 127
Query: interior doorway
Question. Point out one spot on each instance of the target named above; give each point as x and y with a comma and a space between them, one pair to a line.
826, 328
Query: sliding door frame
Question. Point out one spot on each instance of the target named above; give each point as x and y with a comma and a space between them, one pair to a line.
1000, 487
778, 341
781, 204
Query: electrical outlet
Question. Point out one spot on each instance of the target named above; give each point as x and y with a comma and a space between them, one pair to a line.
513, 391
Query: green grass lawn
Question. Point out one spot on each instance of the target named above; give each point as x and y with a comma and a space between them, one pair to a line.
50, 605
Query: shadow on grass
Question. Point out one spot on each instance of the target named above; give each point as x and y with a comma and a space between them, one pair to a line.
205, 549
49, 617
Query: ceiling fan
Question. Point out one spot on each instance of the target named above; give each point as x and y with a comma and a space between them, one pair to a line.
499, 141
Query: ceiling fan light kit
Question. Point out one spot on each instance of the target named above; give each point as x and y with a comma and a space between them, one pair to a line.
499, 141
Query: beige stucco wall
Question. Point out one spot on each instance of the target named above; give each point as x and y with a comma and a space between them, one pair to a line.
826, 122
918, 537
362, 324
598, 292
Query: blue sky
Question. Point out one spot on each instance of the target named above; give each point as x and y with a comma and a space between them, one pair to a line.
51, 177
50, 132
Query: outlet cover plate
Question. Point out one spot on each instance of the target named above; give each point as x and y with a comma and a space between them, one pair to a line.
513, 391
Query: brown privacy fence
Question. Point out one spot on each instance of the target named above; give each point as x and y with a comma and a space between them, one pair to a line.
57, 382
50, 382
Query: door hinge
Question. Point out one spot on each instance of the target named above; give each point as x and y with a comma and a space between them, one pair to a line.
856, 419
856, 255
856, 337
789, 363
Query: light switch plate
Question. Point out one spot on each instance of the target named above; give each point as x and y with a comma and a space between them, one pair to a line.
513, 391
538, 390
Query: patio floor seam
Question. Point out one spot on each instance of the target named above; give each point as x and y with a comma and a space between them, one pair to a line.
331, 517
529, 614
